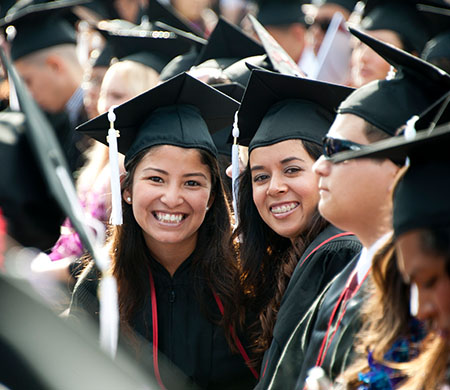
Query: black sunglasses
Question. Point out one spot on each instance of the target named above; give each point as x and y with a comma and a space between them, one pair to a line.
332, 146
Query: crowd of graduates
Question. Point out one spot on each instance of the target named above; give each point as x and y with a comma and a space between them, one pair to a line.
225, 194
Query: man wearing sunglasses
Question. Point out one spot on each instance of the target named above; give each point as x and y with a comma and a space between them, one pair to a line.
355, 196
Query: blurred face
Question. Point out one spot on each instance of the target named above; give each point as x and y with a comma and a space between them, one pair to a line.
170, 192
284, 186
91, 88
114, 90
366, 64
322, 19
353, 192
42, 81
427, 271
190, 9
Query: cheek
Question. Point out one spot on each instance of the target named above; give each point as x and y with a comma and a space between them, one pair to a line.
442, 297
258, 197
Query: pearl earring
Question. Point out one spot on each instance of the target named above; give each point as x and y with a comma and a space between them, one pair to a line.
207, 208
129, 200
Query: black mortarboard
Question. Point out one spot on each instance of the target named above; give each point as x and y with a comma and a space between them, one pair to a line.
39, 26
280, 12
240, 71
159, 12
179, 64
151, 48
183, 112
437, 48
229, 41
278, 107
388, 104
401, 17
5, 6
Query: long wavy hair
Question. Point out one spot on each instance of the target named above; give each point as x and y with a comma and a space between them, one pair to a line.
267, 260
213, 258
428, 371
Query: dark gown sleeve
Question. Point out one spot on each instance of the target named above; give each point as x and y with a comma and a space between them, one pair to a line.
302, 348
313, 273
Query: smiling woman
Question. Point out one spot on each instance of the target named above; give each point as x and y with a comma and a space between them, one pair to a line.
172, 257
288, 252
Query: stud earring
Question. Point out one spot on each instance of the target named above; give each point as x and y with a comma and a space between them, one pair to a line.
129, 200
207, 208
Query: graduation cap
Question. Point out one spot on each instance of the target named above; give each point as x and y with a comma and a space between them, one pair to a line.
5, 6
240, 71
412, 27
179, 64
160, 12
437, 48
39, 26
228, 41
182, 111
388, 104
280, 12
151, 48
278, 107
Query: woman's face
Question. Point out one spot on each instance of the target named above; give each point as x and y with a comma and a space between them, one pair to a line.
114, 90
428, 272
366, 64
170, 193
284, 186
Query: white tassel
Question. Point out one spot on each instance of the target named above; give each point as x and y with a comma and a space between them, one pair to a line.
116, 197
235, 167
410, 130
109, 315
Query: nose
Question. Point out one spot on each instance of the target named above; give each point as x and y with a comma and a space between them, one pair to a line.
322, 167
426, 309
172, 196
277, 185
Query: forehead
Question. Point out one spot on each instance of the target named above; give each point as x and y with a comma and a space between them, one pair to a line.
167, 155
278, 151
349, 127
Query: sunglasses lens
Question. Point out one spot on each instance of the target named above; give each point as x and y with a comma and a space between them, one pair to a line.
332, 146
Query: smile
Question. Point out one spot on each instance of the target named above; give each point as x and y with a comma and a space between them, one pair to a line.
169, 218
285, 208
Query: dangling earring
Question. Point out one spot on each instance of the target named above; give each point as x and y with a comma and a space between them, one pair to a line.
128, 199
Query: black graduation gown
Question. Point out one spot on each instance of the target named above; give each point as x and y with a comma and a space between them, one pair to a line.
307, 282
186, 337
305, 342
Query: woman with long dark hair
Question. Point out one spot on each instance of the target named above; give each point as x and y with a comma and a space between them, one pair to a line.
172, 256
288, 252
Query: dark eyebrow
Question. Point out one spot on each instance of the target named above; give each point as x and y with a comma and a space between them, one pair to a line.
289, 159
284, 161
166, 173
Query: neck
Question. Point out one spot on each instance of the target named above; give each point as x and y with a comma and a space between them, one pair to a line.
171, 256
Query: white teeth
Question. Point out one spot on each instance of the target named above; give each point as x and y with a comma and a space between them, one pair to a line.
169, 218
284, 208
